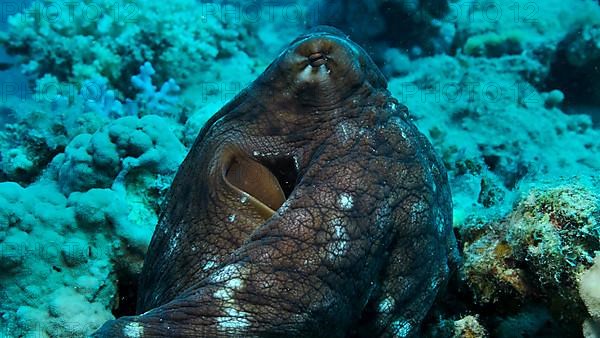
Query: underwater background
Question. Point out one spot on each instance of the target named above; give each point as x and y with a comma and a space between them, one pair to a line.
100, 101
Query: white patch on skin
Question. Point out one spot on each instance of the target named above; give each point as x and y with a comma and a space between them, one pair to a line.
363, 132
386, 305
223, 294
345, 136
235, 318
345, 201
401, 328
133, 330
323, 72
416, 209
309, 74
234, 283
346, 131
339, 243
382, 213
440, 221
283, 208
398, 122
433, 185
173, 243
226, 273
244, 198
231, 218
209, 265
304, 75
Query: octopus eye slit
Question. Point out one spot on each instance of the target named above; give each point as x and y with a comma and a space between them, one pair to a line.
317, 59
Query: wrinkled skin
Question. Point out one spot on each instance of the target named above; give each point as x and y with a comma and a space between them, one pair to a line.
309, 206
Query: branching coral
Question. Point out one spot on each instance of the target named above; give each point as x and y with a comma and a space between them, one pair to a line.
42, 127
149, 100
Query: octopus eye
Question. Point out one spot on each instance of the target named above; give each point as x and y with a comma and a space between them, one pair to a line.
268, 184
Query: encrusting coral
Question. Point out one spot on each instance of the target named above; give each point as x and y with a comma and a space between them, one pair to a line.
537, 253
63, 257
55, 275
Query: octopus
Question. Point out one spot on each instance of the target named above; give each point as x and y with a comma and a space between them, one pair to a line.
308, 206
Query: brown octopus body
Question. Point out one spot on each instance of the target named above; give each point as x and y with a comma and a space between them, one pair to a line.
309, 206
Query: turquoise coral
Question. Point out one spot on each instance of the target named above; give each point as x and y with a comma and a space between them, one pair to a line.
56, 278
148, 99
66, 255
129, 143
179, 37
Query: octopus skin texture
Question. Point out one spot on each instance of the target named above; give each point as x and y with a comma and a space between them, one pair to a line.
308, 206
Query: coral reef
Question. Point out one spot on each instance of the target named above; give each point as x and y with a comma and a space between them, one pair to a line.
466, 327
43, 126
508, 93
564, 40
86, 242
126, 144
478, 113
71, 241
62, 258
77, 41
469, 327
537, 253
56, 278
494, 28
36, 131
421, 24
149, 100
575, 66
